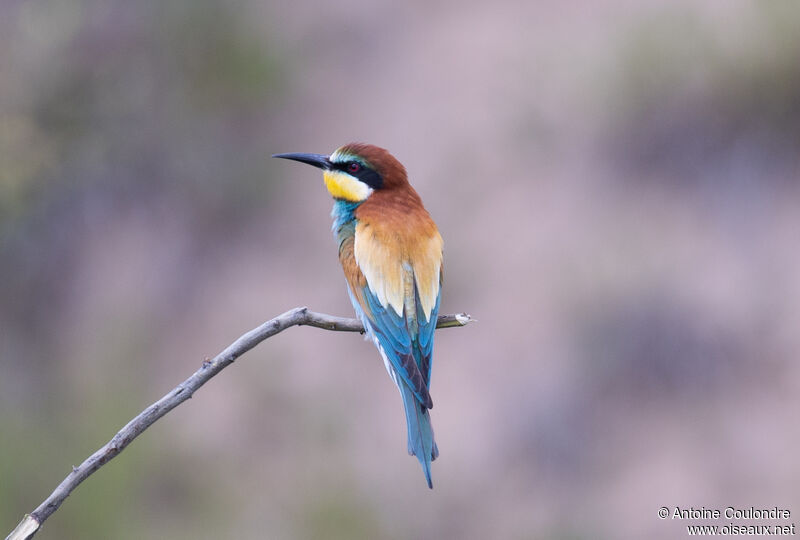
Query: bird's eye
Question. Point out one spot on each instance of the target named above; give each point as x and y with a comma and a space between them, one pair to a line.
353, 167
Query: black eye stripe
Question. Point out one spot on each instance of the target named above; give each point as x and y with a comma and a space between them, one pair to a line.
365, 174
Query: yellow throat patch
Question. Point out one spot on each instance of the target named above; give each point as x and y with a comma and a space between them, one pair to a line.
343, 186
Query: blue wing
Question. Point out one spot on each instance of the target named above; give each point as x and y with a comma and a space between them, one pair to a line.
424, 338
407, 347
400, 339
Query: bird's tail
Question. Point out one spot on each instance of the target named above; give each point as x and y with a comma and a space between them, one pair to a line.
420, 431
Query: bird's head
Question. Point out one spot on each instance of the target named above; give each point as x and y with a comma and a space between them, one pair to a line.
356, 170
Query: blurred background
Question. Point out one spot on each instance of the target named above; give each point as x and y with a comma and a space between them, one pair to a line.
617, 186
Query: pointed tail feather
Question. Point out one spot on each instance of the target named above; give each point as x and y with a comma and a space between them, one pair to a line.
420, 431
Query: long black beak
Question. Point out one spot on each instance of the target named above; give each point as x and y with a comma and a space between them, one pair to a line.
317, 160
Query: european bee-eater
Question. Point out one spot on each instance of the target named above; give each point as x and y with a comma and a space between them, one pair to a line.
391, 254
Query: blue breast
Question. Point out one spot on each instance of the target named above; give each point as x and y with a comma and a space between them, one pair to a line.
344, 220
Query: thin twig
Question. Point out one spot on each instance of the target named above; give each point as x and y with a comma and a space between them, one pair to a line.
295, 317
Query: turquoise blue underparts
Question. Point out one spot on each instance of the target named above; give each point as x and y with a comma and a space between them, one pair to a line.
344, 219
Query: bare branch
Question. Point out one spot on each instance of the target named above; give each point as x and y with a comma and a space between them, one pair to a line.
295, 317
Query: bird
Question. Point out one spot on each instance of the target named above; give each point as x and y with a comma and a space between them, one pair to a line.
391, 253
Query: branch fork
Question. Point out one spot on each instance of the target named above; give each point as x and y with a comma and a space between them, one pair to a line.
300, 316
